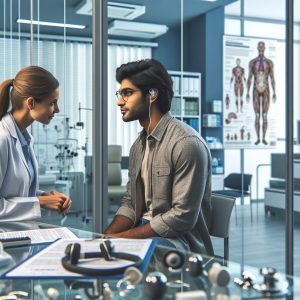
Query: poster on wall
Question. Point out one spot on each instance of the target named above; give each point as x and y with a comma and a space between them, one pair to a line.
249, 92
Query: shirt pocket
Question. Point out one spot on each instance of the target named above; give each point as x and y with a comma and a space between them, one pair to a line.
161, 186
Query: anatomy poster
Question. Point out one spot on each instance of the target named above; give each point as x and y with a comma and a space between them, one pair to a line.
249, 92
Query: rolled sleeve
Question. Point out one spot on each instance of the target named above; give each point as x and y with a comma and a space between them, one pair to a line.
162, 228
127, 212
191, 161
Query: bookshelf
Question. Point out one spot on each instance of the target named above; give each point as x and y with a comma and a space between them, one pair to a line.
212, 131
186, 103
186, 106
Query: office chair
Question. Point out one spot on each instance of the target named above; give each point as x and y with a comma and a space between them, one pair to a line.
115, 188
234, 188
221, 213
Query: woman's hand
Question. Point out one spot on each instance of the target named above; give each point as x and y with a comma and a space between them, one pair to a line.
55, 201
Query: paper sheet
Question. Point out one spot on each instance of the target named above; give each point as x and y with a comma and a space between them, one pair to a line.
39, 236
47, 263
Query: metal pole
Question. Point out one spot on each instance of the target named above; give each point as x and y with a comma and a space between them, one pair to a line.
31, 32
99, 115
242, 209
289, 226
242, 18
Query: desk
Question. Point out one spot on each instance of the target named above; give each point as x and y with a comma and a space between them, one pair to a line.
84, 289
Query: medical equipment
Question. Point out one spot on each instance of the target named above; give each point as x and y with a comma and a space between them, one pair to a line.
155, 285
272, 286
73, 257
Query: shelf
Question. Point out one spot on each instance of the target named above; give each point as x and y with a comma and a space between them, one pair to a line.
186, 102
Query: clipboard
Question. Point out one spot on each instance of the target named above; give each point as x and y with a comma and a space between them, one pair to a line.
32, 268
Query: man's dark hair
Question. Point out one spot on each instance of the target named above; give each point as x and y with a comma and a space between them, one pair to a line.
147, 74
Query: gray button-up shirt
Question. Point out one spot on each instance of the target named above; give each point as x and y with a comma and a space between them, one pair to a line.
180, 182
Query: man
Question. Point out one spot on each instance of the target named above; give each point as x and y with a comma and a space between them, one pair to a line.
169, 187
261, 68
238, 75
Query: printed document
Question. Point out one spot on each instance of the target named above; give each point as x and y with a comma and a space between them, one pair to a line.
47, 263
39, 236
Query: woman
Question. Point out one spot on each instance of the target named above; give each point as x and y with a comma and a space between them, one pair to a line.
33, 95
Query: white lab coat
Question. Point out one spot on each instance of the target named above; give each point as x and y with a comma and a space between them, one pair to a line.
15, 204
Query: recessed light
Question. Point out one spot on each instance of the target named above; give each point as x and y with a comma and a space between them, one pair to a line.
52, 24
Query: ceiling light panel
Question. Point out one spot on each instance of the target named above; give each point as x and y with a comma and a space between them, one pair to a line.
136, 29
115, 10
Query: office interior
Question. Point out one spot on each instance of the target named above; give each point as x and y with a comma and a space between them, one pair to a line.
193, 39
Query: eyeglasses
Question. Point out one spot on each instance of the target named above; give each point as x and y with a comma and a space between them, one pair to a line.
125, 94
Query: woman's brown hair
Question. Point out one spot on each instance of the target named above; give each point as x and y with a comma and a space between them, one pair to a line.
32, 81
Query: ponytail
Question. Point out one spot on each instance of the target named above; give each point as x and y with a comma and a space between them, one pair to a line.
4, 96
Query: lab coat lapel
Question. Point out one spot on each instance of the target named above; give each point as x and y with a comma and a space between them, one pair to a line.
12, 130
20, 151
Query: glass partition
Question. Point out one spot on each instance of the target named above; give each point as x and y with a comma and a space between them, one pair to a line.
65, 146
262, 217
48, 34
199, 43
296, 135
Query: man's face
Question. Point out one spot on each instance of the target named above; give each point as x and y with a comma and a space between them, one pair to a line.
132, 103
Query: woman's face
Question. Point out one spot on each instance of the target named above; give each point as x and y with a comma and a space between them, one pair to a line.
45, 110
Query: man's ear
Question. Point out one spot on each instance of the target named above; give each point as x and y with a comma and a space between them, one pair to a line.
30, 103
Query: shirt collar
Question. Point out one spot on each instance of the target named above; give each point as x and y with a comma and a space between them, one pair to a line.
160, 128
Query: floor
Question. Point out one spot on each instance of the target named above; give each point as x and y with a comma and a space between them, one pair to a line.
258, 243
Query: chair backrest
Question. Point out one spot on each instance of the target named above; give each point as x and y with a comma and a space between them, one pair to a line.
221, 213
114, 165
234, 181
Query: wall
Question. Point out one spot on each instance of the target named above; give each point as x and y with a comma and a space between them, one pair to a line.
204, 53
168, 51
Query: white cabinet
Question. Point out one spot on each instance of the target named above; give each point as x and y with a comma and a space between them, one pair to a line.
186, 103
275, 197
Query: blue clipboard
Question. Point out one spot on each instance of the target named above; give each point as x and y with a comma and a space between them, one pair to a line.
142, 268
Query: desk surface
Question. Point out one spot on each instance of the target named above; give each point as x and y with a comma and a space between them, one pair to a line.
85, 289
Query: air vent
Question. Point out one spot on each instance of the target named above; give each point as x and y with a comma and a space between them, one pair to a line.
114, 10
136, 29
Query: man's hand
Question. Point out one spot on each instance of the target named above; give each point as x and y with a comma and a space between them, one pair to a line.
140, 232
119, 224
274, 98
